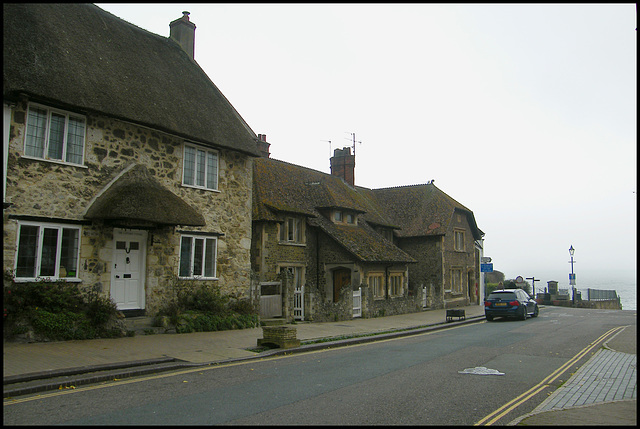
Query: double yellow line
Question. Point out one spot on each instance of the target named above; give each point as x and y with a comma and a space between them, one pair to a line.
511, 405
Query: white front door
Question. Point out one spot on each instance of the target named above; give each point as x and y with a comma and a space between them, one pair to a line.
127, 273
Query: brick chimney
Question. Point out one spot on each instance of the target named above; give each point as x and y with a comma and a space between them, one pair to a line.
343, 164
263, 146
183, 31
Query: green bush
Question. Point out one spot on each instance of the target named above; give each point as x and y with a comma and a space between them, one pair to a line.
196, 307
55, 310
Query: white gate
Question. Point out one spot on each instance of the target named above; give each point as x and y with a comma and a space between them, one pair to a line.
298, 302
357, 303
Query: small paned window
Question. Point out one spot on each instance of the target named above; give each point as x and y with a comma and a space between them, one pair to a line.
459, 240
337, 216
200, 167
55, 135
198, 257
47, 251
396, 284
291, 230
376, 282
456, 280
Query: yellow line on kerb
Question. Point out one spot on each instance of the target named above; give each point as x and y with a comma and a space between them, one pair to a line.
516, 402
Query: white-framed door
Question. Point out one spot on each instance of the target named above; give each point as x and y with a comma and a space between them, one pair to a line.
128, 268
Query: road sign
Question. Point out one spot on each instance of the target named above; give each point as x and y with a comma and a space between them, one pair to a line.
485, 260
519, 279
486, 268
572, 279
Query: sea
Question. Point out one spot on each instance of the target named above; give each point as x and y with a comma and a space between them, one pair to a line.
624, 285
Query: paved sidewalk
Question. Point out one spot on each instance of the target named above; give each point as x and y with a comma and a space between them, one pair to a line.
602, 392
197, 347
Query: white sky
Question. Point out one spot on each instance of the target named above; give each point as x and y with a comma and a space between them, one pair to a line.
525, 114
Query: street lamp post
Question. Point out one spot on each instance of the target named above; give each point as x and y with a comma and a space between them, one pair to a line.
572, 276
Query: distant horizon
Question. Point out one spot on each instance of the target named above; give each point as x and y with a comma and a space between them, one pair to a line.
563, 277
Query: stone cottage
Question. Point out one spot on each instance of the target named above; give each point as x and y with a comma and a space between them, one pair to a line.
125, 166
443, 237
347, 253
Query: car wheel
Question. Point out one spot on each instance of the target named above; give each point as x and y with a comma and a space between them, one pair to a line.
535, 311
489, 318
523, 316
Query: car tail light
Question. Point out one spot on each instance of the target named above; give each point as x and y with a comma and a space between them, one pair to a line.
487, 304
514, 303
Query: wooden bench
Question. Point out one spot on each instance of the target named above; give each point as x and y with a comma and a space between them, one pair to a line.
455, 312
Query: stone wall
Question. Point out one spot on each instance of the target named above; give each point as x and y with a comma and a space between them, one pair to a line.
61, 193
427, 272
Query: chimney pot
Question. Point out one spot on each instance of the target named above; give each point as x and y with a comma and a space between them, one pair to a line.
183, 32
263, 146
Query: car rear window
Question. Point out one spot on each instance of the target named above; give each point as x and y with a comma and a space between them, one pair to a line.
502, 295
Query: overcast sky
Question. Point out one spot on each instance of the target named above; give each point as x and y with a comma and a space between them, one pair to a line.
525, 114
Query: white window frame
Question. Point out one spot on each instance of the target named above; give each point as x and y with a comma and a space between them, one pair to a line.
47, 134
292, 231
337, 216
198, 168
396, 284
42, 226
458, 240
205, 255
376, 282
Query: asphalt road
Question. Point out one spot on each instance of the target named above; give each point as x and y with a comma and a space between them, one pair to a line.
411, 380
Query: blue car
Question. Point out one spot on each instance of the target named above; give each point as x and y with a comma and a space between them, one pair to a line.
514, 303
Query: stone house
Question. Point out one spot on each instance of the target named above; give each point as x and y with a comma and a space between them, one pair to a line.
125, 166
348, 252
443, 237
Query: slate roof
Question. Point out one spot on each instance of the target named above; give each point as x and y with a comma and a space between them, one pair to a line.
413, 211
422, 210
82, 58
136, 198
280, 187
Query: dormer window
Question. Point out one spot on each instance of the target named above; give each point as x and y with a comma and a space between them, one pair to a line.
342, 217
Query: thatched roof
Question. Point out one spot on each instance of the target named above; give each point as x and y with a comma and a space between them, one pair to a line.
82, 58
137, 199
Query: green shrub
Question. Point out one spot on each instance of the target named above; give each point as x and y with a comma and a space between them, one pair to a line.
55, 310
197, 307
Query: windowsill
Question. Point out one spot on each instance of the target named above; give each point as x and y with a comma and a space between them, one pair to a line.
53, 161
199, 278
47, 279
200, 188
291, 243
